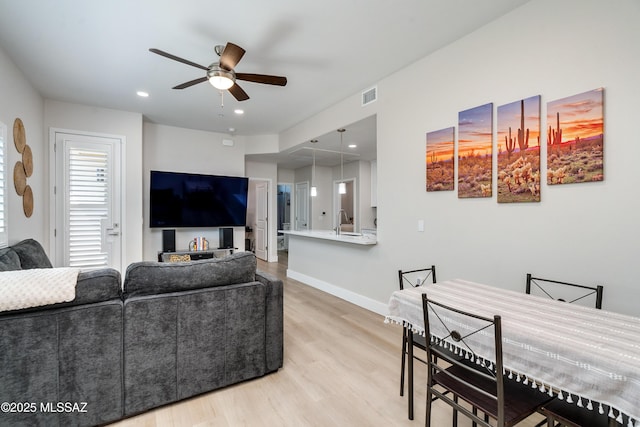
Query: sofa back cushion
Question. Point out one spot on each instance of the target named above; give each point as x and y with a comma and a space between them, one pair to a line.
32, 254
147, 278
9, 260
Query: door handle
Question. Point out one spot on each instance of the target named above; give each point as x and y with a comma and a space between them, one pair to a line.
114, 230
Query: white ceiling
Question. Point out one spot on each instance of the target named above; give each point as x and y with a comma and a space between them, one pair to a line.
97, 52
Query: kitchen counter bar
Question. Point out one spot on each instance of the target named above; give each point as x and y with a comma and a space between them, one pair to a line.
346, 237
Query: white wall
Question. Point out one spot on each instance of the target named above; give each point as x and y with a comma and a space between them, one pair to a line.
173, 149
63, 115
581, 232
20, 100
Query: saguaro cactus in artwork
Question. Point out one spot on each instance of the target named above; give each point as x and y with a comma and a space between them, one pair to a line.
554, 136
523, 136
510, 144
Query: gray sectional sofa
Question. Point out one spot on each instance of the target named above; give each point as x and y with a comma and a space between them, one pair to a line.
170, 332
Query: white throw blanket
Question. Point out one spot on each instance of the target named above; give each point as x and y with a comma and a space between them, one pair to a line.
36, 287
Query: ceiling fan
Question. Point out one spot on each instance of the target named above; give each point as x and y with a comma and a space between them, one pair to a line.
221, 74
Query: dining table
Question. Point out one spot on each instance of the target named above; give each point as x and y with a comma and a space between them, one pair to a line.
585, 356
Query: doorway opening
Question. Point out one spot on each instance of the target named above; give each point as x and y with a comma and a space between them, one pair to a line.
284, 215
345, 206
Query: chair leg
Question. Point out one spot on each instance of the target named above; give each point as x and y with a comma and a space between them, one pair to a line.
474, 411
404, 356
410, 372
455, 413
427, 415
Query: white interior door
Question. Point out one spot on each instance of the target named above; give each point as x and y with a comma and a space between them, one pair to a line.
261, 231
87, 201
302, 206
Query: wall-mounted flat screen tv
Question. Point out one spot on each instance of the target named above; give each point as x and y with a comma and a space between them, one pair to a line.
193, 200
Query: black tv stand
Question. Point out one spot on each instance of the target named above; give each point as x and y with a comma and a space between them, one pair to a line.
179, 256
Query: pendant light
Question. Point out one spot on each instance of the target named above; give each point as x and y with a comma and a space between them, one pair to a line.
342, 186
314, 189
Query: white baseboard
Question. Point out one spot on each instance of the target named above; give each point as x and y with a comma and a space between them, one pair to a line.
352, 297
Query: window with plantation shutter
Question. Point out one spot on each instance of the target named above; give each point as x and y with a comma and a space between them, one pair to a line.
4, 233
88, 206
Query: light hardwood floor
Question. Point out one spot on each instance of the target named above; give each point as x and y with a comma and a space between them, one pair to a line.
341, 368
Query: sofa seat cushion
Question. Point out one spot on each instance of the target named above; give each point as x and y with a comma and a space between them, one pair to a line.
149, 278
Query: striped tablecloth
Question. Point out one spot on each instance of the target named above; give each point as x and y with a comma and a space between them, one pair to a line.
586, 354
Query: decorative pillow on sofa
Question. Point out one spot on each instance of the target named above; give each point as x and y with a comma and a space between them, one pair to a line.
147, 278
32, 254
9, 260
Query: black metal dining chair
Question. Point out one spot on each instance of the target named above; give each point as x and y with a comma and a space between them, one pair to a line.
413, 278
482, 387
558, 412
564, 291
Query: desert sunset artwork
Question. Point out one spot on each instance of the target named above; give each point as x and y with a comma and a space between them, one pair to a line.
518, 145
440, 160
575, 138
475, 151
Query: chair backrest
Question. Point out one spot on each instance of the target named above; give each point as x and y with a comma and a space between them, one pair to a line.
471, 345
564, 291
416, 277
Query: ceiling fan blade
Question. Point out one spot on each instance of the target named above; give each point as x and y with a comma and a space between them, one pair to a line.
262, 78
191, 83
238, 93
231, 55
176, 58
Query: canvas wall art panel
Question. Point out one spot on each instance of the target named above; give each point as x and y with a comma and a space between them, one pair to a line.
440, 160
475, 151
518, 146
575, 138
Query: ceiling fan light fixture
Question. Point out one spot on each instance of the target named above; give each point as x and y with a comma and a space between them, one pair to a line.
220, 78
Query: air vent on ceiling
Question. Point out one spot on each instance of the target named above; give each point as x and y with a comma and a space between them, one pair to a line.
369, 96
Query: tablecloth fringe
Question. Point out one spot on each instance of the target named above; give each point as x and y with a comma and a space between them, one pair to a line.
549, 389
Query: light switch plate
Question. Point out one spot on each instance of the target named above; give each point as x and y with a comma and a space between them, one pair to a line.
421, 225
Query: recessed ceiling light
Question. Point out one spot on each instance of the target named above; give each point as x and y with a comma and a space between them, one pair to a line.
232, 129
352, 145
238, 111
142, 94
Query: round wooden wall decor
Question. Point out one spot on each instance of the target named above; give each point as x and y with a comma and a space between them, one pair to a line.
27, 160
19, 137
19, 178
27, 201
23, 169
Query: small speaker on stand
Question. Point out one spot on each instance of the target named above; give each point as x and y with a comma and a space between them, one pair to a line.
226, 238
168, 240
